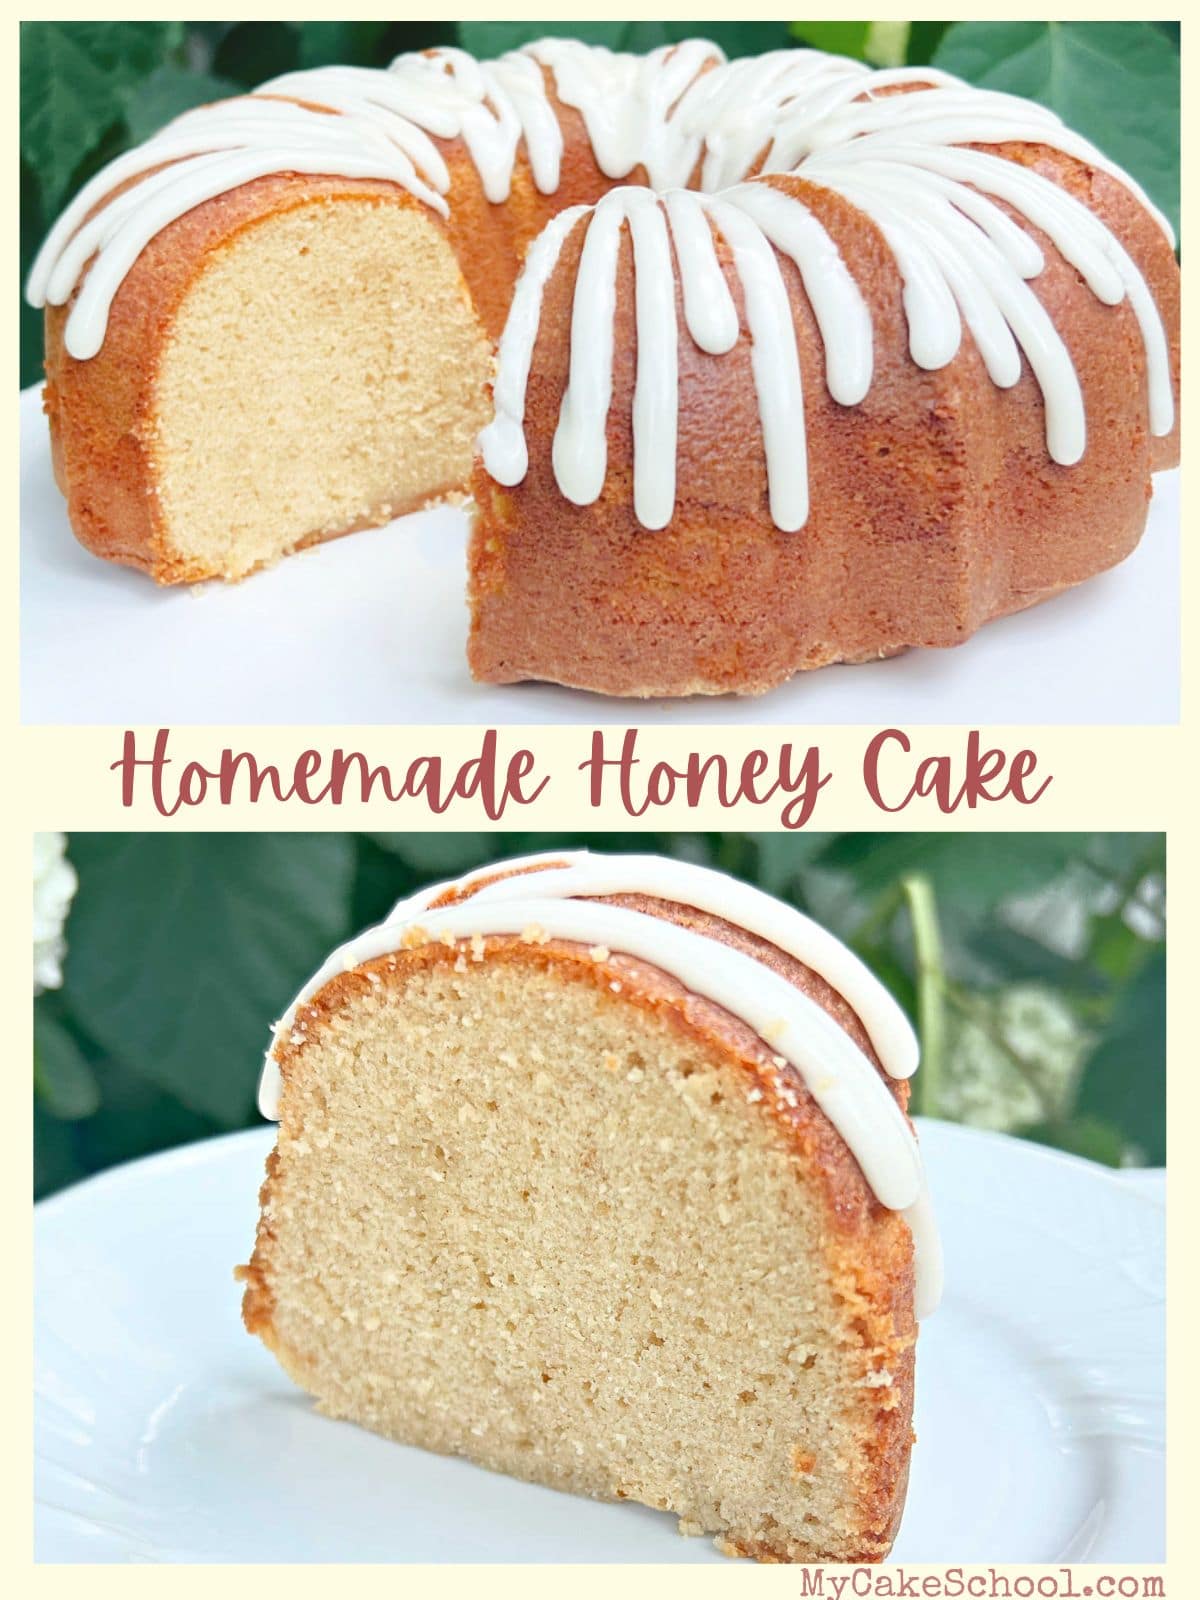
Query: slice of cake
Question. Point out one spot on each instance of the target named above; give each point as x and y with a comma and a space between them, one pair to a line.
595, 1170
293, 360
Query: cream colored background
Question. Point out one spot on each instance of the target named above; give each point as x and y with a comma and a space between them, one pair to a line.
1115, 778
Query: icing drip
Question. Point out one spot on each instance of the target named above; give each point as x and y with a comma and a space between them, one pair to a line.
557, 899
1079, 237
774, 362
708, 307
656, 390
689, 120
384, 126
962, 261
838, 306
504, 437
581, 440
954, 273
744, 217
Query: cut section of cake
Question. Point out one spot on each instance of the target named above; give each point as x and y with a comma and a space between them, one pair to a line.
595, 1170
294, 360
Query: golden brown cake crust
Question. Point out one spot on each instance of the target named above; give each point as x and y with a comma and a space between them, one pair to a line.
934, 504
870, 1248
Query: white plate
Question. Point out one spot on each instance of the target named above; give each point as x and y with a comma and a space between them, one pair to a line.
164, 1433
372, 629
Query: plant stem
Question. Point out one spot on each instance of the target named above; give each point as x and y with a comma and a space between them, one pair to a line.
931, 989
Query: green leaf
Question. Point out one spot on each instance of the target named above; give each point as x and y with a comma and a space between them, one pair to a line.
56, 1159
135, 1119
1114, 948
891, 974
887, 44
782, 858
735, 38
1082, 1136
380, 879
72, 78
166, 93
32, 368
68, 102
185, 948
127, 51
1014, 955
1115, 82
353, 44
204, 38
1124, 1079
64, 1082
969, 871
1126, 857
402, 37
487, 39
33, 229
255, 51
923, 40
435, 853
839, 38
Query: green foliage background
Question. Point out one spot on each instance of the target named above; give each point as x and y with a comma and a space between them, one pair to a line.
91, 89
1034, 965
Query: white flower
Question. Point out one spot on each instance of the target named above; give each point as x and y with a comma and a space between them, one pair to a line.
1014, 1063
54, 885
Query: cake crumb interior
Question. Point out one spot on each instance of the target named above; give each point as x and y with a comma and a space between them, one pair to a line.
577, 1252
325, 372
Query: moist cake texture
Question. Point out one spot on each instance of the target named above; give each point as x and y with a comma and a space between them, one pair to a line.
541, 1204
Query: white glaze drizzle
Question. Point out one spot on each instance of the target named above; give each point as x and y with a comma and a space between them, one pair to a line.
841, 312
580, 446
676, 112
962, 260
633, 106
709, 311
774, 361
556, 900
504, 437
656, 386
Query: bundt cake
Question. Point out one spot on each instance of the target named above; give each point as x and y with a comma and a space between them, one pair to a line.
806, 363
596, 1171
